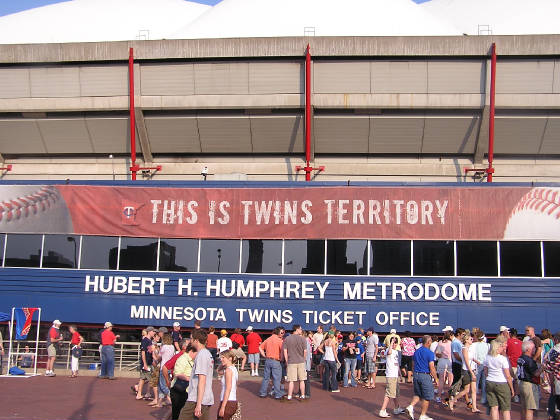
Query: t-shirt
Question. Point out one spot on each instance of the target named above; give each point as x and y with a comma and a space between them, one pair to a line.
145, 347
212, 341
272, 347
53, 333
444, 349
170, 364
408, 346
295, 345
176, 336
253, 342
456, 347
224, 344
351, 349
392, 363
238, 338
317, 340
422, 358
513, 350
496, 366
203, 365
167, 351
75, 338
182, 366
371, 343
527, 368
108, 338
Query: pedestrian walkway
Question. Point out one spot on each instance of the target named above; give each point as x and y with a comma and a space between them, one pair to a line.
87, 397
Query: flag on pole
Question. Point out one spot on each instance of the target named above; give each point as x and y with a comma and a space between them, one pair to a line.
23, 321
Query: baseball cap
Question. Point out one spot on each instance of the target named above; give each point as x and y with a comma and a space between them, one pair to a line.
504, 328
447, 328
148, 329
249, 328
163, 330
331, 332
108, 324
223, 332
176, 324
393, 331
56, 322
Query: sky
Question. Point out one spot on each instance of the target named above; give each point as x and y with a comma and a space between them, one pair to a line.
13, 6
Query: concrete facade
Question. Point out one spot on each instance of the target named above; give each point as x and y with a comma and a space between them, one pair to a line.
385, 108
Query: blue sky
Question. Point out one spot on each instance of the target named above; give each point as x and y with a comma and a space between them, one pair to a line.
13, 6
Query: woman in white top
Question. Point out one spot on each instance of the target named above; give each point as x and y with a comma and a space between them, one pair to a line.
228, 396
468, 374
498, 380
329, 347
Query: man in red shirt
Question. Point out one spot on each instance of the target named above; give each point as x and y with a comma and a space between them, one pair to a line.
108, 339
253, 342
75, 345
514, 352
53, 337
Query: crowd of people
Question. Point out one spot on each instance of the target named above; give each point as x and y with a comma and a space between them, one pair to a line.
457, 366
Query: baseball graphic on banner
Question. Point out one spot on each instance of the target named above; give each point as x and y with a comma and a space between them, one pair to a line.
536, 216
32, 209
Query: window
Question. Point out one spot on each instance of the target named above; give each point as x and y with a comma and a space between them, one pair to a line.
99, 252
261, 256
551, 259
23, 250
178, 255
518, 258
138, 254
433, 258
219, 256
477, 258
346, 257
304, 257
390, 258
61, 251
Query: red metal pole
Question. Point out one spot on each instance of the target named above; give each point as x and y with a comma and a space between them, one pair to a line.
133, 166
492, 113
308, 114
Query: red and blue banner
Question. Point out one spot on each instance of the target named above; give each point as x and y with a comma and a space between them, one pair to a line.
23, 318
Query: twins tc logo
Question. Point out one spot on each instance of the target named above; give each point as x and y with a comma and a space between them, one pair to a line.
130, 212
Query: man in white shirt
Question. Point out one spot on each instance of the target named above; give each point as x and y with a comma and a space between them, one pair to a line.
392, 372
317, 339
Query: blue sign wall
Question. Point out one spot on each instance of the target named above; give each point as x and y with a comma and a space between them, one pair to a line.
419, 304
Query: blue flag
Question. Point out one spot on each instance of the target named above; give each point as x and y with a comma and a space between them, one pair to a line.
23, 321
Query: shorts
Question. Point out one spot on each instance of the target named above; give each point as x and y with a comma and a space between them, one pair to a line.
466, 378
423, 386
529, 393
443, 365
406, 363
154, 377
392, 388
254, 358
317, 358
371, 365
187, 413
238, 353
296, 372
51, 350
145, 374
359, 364
498, 394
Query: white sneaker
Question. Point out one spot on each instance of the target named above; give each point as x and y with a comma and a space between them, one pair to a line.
335, 390
424, 417
384, 414
516, 399
410, 411
399, 410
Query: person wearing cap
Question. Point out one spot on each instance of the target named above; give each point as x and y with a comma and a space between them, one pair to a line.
108, 339
145, 361
176, 336
387, 341
254, 340
504, 334
224, 343
372, 348
54, 336
161, 332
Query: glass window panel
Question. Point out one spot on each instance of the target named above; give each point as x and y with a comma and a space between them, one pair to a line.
61, 251
390, 258
520, 259
219, 256
477, 258
551, 259
178, 255
304, 257
261, 256
433, 258
23, 250
346, 257
99, 252
138, 254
